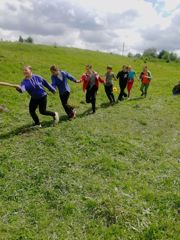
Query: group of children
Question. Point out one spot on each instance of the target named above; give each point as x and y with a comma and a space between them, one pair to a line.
35, 84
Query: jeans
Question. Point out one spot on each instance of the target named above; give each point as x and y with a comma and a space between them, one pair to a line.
42, 104
64, 100
109, 93
91, 96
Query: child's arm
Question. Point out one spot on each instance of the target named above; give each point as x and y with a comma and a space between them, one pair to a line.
149, 75
114, 76
70, 77
100, 79
8, 84
48, 86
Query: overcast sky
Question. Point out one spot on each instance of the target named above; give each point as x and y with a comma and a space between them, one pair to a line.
94, 24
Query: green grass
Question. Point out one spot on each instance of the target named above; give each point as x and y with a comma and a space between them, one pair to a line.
112, 175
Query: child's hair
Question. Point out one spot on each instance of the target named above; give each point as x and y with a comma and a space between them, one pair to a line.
88, 66
54, 68
29, 67
109, 67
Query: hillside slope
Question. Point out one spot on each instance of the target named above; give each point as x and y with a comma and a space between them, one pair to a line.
112, 175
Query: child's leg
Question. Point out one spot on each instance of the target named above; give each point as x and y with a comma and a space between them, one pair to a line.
33, 104
111, 94
121, 93
108, 92
112, 98
42, 107
145, 89
129, 87
142, 89
93, 98
64, 100
88, 95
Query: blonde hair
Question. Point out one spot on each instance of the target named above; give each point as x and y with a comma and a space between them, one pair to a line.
29, 67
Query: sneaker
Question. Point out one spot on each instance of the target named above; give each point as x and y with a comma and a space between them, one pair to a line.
73, 115
56, 118
36, 126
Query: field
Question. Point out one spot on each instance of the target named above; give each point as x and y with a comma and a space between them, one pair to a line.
112, 175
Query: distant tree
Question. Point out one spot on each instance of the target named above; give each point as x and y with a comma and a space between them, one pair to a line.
173, 56
130, 55
168, 56
137, 55
150, 53
21, 40
163, 55
29, 40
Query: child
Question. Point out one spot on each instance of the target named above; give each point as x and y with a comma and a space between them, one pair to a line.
91, 81
131, 76
108, 85
123, 78
176, 89
59, 79
145, 78
34, 85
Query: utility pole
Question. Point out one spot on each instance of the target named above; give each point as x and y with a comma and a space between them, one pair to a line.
123, 48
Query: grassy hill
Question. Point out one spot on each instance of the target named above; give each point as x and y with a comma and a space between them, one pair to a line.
112, 175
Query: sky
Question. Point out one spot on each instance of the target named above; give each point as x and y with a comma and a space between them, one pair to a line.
104, 25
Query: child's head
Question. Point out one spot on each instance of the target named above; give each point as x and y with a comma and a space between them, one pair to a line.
129, 68
124, 68
54, 70
109, 68
145, 68
27, 71
88, 67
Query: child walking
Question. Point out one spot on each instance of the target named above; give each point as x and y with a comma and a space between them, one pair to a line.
59, 79
145, 78
91, 81
131, 76
108, 85
123, 78
34, 85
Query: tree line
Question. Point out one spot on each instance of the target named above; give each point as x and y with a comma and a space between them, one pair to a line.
150, 54
27, 40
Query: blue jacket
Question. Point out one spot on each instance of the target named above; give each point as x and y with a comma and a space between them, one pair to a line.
62, 84
35, 87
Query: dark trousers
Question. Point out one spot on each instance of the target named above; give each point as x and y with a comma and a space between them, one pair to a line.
91, 96
109, 93
122, 93
42, 104
64, 100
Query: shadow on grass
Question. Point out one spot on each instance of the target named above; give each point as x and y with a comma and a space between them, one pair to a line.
18, 131
85, 113
136, 99
28, 129
107, 104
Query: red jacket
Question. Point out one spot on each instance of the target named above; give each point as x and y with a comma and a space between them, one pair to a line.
85, 80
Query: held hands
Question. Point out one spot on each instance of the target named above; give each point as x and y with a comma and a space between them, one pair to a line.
18, 88
78, 81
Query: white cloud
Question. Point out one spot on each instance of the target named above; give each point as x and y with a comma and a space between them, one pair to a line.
102, 24
171, 5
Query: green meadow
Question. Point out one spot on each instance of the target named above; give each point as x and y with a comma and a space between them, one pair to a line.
109, 176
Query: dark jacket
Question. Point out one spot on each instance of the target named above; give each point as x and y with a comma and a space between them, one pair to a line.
123, 78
